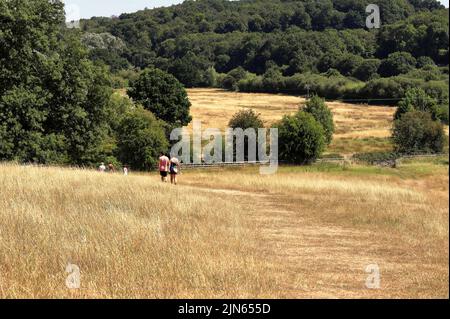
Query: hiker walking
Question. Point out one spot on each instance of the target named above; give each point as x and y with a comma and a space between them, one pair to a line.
174, 169
111, 168
102, 168
164, 163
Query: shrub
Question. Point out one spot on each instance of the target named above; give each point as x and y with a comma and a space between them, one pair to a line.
348, 63
233, 77
442, 113
141, 137
385, 90
376, 157
425, 61
417, 99
397, 63
301, 138
246, 119
319, 110
367, 70
163, 95
416, 132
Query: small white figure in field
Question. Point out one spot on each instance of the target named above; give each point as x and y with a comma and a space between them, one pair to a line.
102, 168
125, 170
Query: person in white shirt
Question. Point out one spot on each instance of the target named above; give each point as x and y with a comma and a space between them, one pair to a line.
102, 168
125, 170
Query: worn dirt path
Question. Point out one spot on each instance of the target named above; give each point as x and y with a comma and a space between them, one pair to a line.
312, 260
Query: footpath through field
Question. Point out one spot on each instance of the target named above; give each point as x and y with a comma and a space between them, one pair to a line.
308, 259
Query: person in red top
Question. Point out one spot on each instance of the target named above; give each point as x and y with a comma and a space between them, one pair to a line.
164, 163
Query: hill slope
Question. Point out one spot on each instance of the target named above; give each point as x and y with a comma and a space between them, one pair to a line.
283, 46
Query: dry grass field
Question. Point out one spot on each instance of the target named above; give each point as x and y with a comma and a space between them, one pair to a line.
306, 232
359, 128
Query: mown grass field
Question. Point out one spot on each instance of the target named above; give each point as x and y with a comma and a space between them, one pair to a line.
306, 232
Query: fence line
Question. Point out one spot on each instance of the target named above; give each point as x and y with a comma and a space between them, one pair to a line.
285, 163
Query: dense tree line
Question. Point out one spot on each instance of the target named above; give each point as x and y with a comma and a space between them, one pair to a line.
58, 107
260, 35
53, 99
57, 104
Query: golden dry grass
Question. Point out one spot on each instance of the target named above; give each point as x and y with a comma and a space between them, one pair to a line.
323, 228
354, 123
130, 237
302, 233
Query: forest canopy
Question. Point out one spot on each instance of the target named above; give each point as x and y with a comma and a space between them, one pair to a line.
266, 45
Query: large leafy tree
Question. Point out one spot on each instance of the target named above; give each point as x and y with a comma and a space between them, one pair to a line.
141, 137
301, 138
417, 132
163, 95
52, 98
417, 100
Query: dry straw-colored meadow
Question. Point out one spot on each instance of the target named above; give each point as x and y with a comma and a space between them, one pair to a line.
302, 233
359, 128
306, 232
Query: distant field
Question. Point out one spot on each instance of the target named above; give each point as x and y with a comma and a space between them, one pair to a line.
306, 232
359, 128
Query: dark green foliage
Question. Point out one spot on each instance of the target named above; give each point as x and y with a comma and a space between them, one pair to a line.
293, 36
367, 70
190, 70
141, 137
423, 34
245, 119
425, 61
442, 113
163, 95
319, 110
301, 138
397, 63
231, 80
52, 98
348, 63
416, 132
377, 157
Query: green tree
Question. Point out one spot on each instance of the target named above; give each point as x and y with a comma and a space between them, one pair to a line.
301, 138
141, 137
348, 63
233, 77
317, 107
417, 100
397, 63
163, 95
425, 61
417, 132
52, 98
367, 70
246, 119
